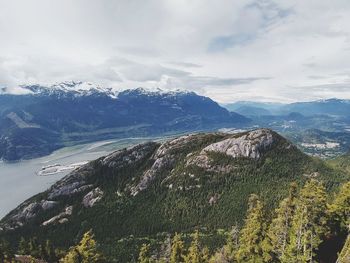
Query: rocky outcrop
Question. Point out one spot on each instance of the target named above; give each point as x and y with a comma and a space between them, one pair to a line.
60, 218
27, 211
164, 158
251, 144
73, 183
69, 189
46, 205
150, 174
92, 197
203, 160
132, 155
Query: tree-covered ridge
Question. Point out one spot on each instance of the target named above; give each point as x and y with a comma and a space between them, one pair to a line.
294, 234
146, 193
300, 224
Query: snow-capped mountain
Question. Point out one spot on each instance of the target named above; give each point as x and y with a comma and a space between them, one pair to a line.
48, 117
72, 88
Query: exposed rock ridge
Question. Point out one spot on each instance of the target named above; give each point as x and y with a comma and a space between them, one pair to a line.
164, 158
61, 217
92, 197
250, 144
122, 158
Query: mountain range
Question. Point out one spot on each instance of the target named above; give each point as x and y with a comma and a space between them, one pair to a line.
42, 119
332, 107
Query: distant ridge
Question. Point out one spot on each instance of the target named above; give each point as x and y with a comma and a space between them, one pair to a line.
47, 118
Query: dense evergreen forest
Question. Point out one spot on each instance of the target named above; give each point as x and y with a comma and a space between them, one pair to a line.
308, 225
268, 203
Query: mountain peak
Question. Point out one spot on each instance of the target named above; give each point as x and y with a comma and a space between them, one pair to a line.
75, 88
81, 88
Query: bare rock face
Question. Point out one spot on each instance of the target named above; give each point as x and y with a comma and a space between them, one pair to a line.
122, 158
46, 205
202, 160
60, 218
27, 211
69, 189
92, 197
73, 183
150, 174
250, 144
164, 159
172, 145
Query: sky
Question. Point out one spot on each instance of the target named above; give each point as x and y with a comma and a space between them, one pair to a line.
229, 50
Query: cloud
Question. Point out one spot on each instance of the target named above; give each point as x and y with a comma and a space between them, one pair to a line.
228, 50
185, 64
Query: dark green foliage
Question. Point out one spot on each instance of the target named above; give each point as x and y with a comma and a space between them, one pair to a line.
253, 233
277, 236
85, 252
309, 224
122, 222
6, 252
177, 249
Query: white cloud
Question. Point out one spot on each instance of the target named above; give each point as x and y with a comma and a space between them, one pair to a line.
226, 49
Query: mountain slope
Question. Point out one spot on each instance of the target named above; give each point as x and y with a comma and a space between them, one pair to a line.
197, 180
334, 107
252, 111
44, 119
329, 107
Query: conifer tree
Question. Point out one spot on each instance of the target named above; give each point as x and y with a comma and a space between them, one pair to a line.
23, 247
6, 254
344, 256
177, 249
252, 234
339, 210
228, 252
194, 251
231, 246
308, 225
205, 255
50, 254
144, 255
277, 236
73, 256
85, 252
34, 248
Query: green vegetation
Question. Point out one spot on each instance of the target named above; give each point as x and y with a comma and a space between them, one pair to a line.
85, 252
298, 226
253, 195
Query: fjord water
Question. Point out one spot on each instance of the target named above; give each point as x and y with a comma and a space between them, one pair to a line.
19, 181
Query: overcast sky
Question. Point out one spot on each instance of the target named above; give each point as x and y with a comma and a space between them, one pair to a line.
228, 50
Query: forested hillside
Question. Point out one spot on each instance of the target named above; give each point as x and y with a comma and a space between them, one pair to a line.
247, 197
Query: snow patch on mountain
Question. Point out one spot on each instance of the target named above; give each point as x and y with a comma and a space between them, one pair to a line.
80, 88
